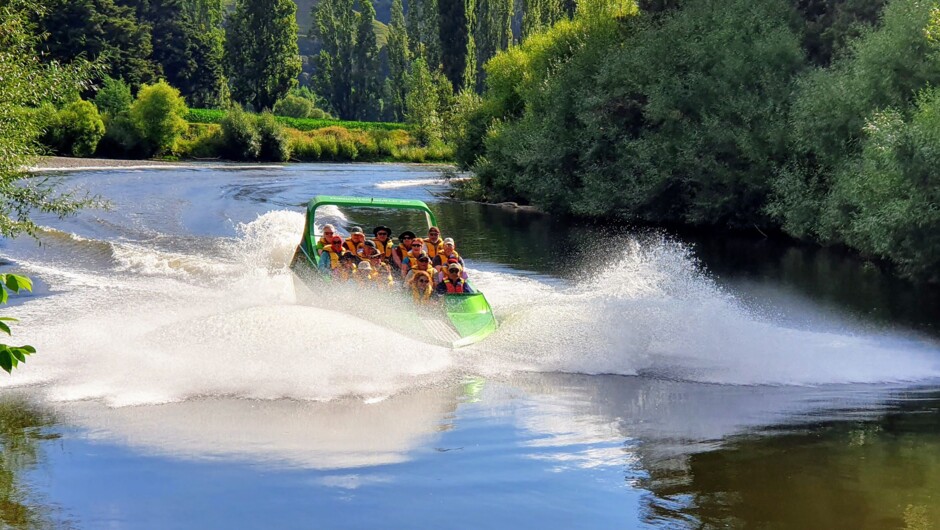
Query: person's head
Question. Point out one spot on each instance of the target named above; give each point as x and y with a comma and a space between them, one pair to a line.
382, 233
416, 246
448, 245
328, 231
406, 238
365, 267
424, 261
356, 234
421, 280
369, 249
453, 270
336, 243
434, 233
347, 261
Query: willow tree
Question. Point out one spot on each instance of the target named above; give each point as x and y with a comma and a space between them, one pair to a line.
262, 56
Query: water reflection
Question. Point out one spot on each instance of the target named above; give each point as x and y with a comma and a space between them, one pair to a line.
24, 427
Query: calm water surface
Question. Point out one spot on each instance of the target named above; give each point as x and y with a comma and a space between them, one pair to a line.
638, 380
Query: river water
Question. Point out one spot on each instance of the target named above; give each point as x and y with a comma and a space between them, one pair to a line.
638, 379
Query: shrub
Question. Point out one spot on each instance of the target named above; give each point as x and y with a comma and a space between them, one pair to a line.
202, 140
274, 144
157, 115
114, 98
75, 130
240, 135
294, 107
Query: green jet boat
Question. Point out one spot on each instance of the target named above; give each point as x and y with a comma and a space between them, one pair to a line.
460, 320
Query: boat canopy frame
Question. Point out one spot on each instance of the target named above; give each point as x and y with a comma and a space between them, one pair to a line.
310, 235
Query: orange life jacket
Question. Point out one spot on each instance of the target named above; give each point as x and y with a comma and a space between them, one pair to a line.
334, 257
385, 249
434, 249
453, 289
352, 247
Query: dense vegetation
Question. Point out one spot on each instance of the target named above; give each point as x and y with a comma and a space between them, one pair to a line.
817, 117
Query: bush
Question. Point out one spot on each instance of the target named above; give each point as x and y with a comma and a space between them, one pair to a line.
202, 140
75, 130
240, 135
114, 98
294, 107
274, 144
157, 115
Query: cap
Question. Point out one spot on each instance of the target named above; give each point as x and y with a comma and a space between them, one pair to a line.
424, 257
370, 244
364, 266
454, 267
453, 260
448, 241
406, 233
355, 230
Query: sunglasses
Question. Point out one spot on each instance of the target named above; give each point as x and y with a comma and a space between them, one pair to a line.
327, 233
418, 245
422, 281
381, 234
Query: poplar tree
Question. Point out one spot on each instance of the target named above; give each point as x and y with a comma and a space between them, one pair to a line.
334, 29
454, 32
492, 32
541, 14
424, 32
365, 65
399, 57
261, 51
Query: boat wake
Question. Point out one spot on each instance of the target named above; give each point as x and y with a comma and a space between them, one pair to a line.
166, 320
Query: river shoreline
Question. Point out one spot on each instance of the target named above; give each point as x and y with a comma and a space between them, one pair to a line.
54, 164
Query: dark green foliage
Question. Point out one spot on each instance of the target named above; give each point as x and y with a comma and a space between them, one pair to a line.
424, 34
114, 97
188, 43
399, 57
99, 30
240, 135
885, 202
75, 130
261, 53
365, 84
334, 30
273, 143
886, 68
492, 32
454, 33
831, 24
421, 104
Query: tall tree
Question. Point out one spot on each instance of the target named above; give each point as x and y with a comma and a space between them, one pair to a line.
454, 33
424, 30
540, 14
365, 65
421, 103
334, 29
399, 58
99, 30
261, 51
492, 31
189, 45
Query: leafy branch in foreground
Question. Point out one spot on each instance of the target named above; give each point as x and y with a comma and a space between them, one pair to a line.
11, 356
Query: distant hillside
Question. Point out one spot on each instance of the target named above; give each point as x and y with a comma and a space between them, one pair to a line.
383, 12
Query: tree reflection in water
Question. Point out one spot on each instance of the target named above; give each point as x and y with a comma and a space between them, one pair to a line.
24, 426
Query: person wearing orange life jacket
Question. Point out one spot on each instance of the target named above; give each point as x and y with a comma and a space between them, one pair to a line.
329, 256
347, 268
448, 253
433, 245
409, 259
404, 247
324, 241
421, 263
366, 276
356, 239
379, 266
453, 283
421, 290
383, 242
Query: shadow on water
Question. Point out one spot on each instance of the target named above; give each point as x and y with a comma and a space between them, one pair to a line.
24, 428
871, 473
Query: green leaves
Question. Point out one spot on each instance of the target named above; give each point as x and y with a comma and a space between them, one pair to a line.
11, 356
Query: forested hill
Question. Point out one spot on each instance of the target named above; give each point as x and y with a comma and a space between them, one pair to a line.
383, 12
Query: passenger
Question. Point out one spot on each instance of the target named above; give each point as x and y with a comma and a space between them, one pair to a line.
442, 273
453, 283
355, 241
328, 231
368, 249
433, 244
383, 272
421, 287
404, 247
417, 249
329, 257
421, 263
346, 269
364, 274
446, 255
383, 242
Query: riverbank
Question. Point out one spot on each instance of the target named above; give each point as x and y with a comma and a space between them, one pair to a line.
53, 164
